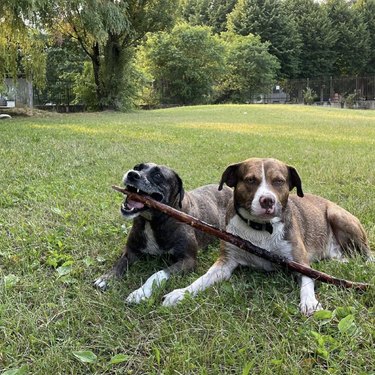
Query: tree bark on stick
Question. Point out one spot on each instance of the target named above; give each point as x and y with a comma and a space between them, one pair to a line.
240, 242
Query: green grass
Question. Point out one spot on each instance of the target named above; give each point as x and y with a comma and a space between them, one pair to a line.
60, 229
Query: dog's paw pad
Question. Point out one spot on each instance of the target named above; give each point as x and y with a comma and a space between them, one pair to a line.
174, 297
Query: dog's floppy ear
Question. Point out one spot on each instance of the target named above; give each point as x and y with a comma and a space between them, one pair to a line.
180, 190
229, 176
295, 181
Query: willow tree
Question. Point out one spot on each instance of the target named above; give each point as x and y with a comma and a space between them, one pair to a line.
108, 32
22, 44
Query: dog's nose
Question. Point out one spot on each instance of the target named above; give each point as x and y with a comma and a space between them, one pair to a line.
266, 201
133, 175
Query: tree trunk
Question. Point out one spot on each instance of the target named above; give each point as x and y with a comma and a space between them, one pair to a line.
113, 74
111, 66
95, 58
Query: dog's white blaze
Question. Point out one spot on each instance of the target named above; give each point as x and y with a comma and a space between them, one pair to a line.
151, 245
218, 272
309, 304
145, 291
263, 190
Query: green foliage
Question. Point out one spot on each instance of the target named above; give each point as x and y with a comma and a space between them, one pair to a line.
269, 20
249, 68
309, 96
211, 13
65, 61
351, 99
107, 32
189, 65
21, 46
184, 63
85, 356
352, 45
338, 331
318, 37
366, 10
85, 89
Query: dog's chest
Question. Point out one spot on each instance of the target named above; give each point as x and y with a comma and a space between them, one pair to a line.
152, 246
274, 242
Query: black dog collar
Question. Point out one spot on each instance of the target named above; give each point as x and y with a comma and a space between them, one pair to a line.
255, 225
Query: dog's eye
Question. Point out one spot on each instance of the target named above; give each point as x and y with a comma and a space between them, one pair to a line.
251, 181
157, 176
278, 182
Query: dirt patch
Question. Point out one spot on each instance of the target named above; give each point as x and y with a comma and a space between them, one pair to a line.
27, 112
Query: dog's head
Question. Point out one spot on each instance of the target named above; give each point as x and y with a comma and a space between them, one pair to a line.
156, 181
261, 187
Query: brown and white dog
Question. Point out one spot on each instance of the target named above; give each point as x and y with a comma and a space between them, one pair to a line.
302, 228
156, 233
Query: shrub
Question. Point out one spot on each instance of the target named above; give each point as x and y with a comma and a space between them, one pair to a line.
309, 96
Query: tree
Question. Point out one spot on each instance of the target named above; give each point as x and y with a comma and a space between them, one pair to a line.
318, 37
366, 9
195, 12
352, 45
22, 45
211, 13
108, 32
184, 63
250, 69
64, 61
269, 20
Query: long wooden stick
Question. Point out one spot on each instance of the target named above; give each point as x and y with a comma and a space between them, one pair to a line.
240, 242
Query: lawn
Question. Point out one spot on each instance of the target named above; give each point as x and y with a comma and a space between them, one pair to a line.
60, 228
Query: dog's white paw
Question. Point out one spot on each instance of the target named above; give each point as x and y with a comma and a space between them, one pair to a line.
309, 306
174, 297
101, 283
138, 296
145, 291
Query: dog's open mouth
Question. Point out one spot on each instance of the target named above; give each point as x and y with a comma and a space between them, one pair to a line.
130, 206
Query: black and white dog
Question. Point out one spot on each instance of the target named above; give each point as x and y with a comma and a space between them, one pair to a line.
156, 233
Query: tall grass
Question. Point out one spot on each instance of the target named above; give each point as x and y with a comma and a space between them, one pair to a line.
60, 229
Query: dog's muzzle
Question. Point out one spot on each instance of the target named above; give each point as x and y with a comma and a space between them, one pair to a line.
131, 207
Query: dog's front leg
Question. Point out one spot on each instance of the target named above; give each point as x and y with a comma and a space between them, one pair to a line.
127, 258
309, 304
145, 291
221, 270
155, 280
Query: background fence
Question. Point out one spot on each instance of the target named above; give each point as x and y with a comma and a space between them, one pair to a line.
354, 92
328, 90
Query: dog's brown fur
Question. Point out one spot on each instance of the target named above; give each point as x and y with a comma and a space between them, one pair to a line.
302, 228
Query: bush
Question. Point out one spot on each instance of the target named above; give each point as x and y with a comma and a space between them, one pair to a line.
309, 96
250, 69
184, 64
84, 87
351, 99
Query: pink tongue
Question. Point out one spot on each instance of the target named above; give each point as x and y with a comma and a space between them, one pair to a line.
134, 204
